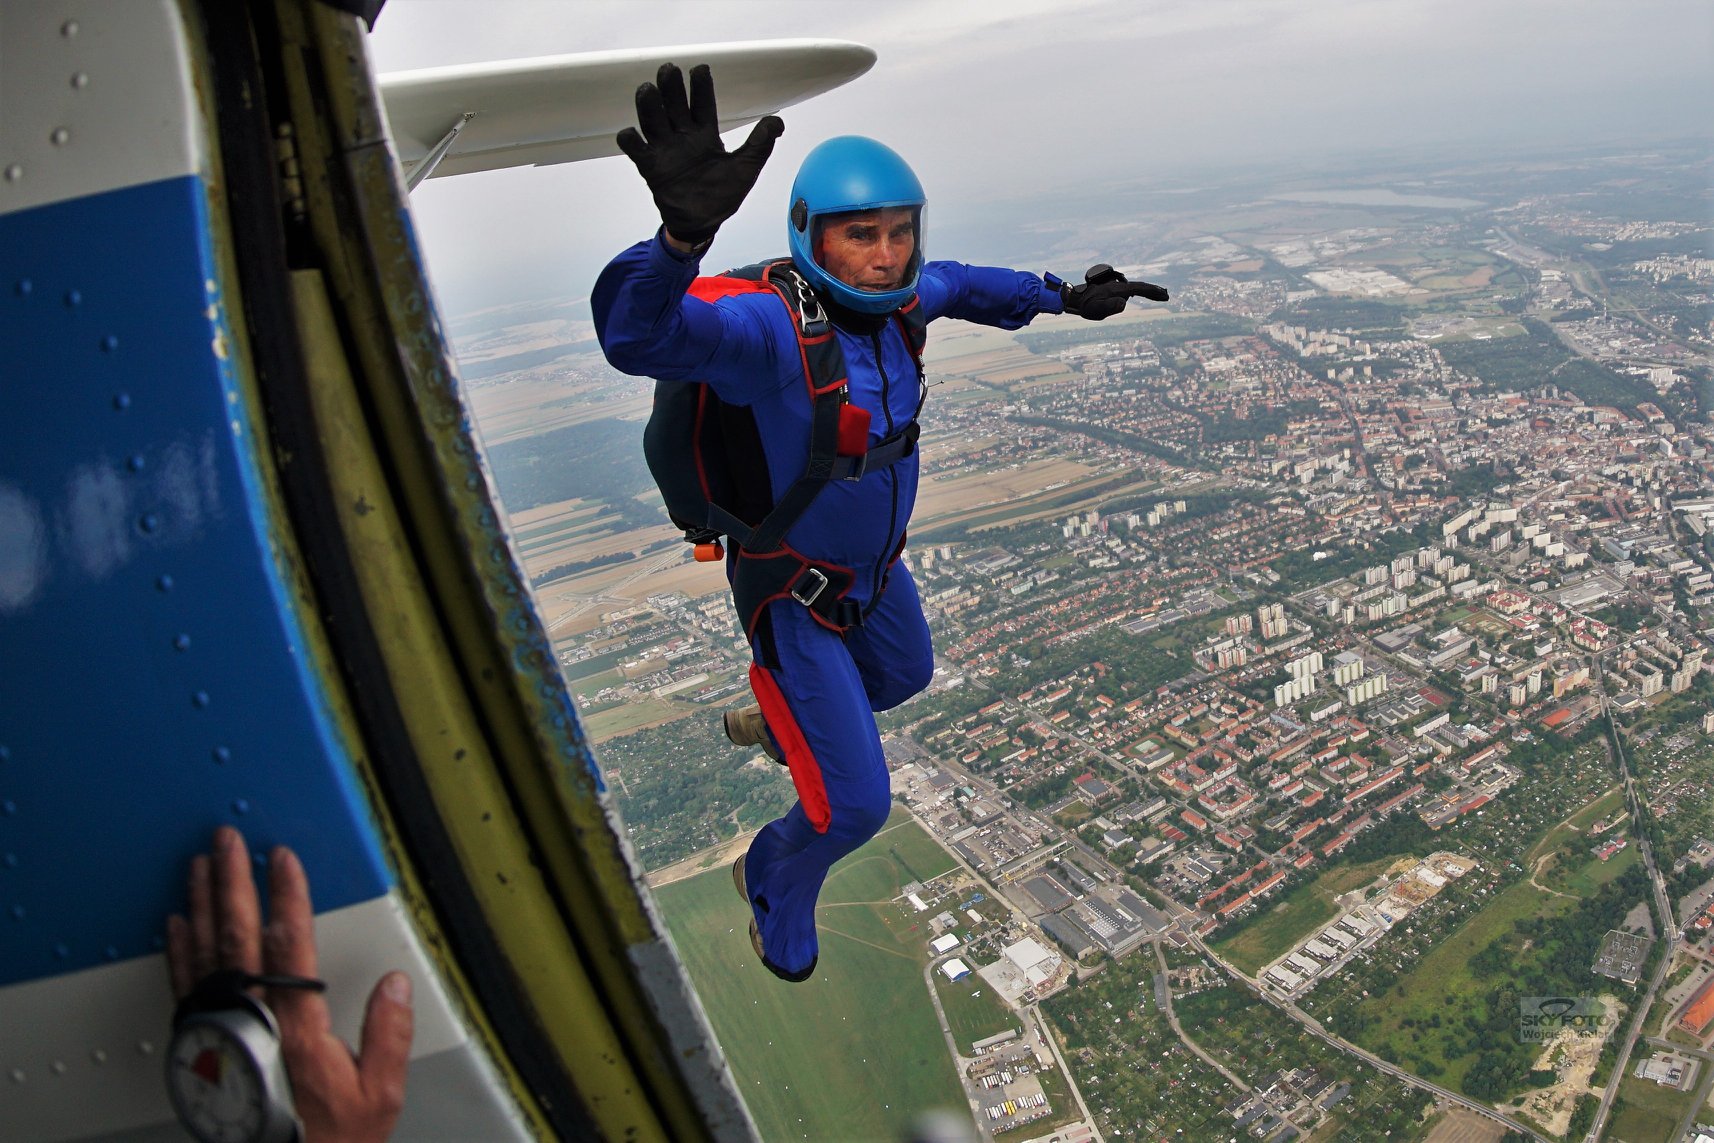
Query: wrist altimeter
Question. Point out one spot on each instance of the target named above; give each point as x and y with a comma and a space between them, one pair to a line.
226, 1076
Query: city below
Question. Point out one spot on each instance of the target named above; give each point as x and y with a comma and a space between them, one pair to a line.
1322, 739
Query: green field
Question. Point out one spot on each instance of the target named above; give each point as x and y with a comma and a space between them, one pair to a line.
1413, 1023
973, 1011
1577, 824
855, 1053
1300, 912
1443, 980
1646, 1112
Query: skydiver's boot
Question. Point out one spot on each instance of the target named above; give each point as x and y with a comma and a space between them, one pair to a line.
747, 727
756, 933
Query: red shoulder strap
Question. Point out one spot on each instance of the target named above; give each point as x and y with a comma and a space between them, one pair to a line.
722, 285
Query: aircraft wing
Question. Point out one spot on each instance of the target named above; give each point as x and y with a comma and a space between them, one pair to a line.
561, 109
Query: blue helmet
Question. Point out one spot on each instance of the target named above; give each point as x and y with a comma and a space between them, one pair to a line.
851, 173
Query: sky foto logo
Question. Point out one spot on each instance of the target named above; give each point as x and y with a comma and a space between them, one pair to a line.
1541, 1018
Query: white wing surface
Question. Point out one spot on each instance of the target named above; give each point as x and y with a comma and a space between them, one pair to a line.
561, 109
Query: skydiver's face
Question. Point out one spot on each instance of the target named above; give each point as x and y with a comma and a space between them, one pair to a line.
870, 250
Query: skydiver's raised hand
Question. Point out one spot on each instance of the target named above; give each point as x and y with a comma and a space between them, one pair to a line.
696, 182
1103, 293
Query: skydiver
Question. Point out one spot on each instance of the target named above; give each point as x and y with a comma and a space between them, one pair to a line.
835, 626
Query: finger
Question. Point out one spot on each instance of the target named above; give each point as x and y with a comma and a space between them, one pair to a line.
760, 144
652, 114
702, 107
238, 912
632, 144
199, 889
181, 958
289, 944
385, 1051
1148, 290
676, 104
291, 916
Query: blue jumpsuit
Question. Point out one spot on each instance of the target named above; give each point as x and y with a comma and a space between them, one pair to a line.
818, 689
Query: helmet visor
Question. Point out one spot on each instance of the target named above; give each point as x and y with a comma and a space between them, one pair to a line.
876, 251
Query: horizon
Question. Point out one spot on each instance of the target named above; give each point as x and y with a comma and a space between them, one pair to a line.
1415, 80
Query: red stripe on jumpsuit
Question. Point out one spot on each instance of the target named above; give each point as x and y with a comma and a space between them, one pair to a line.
800, 759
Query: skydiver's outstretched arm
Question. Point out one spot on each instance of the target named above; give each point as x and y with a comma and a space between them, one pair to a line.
696, 182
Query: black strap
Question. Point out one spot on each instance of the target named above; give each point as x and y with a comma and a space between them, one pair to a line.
763, 572
895, 448
822, 587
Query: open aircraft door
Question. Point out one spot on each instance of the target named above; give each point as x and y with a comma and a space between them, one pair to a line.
252, 571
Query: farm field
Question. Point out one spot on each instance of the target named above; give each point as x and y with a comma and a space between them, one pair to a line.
528, 406
949, 496
855, 1053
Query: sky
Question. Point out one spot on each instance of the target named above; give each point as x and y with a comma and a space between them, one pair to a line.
1001, 100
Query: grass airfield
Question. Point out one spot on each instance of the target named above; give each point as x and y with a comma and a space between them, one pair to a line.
855, 1053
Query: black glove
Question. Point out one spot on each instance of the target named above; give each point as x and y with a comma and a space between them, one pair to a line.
697, 185
1103, 293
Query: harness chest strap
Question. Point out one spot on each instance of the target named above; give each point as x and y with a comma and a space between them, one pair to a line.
766, 569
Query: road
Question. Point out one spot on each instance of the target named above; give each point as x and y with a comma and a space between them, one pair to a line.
1064, 1070
1163, 993
1663, 909
959, 1062
1313, 1026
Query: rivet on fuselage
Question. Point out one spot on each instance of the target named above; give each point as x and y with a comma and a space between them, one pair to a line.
200, 698
121, 401
181, 643
149, 522
73, 297
136, 463
14, 172
222, 755
109, 344
60, 137
68, 29
240, 806
80, 79
165, 583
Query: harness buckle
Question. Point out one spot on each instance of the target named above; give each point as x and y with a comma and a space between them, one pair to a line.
814, 593
810, 313
859, 466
